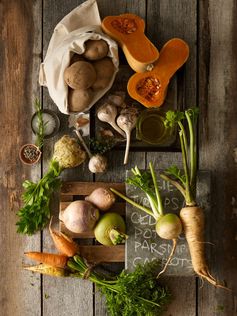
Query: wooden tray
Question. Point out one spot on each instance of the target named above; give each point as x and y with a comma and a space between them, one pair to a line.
93, 252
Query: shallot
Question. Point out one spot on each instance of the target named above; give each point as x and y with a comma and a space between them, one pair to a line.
80, 216
102, 198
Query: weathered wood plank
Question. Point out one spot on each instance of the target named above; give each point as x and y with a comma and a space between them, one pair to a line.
167, 19
218, 138
117, 172
64, 296
20, 49
116, 168
119, 7
85, 188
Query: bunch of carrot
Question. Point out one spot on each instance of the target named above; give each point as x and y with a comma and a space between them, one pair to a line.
54, 264
135, 293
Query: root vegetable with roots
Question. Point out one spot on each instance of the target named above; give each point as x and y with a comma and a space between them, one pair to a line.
134, 293
168, 226
192, 216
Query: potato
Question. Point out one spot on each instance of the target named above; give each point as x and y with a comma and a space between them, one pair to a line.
79, 100
96, 49
80, 75
75, 58
104, 72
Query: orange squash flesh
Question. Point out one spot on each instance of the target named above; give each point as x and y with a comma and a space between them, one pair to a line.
149, 88
128, 31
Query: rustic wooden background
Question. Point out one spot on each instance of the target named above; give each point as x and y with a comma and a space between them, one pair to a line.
210, 28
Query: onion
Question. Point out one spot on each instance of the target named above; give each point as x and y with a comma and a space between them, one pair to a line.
97, 164
110, 229
80, 216
102, 198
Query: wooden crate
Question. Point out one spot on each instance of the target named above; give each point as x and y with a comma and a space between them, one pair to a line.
72, 191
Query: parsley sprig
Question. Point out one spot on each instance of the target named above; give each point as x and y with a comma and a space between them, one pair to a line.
130, 294
35, 213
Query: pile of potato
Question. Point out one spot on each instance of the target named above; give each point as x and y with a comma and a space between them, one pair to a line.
87, 74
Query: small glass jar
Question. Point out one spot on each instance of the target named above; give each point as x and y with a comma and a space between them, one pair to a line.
29, 154
151, 128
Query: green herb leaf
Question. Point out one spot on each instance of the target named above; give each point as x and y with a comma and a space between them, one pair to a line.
177, 173
189, 152
173, 117
35, 213
99, 146
193, 113
138, 293
129, 294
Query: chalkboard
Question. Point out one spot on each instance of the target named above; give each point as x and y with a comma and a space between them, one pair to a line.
143, 244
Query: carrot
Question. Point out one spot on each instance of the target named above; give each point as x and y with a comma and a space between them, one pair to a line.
192, 216
63, 243
45, 269
53, 260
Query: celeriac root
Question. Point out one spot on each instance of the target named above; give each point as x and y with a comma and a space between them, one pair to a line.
192, 218
170, 257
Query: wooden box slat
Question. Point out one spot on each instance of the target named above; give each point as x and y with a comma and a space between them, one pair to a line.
102, 254
71, 191
69, 233
66, 198
85, 188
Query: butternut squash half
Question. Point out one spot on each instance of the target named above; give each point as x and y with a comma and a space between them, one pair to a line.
150, 88
128, 30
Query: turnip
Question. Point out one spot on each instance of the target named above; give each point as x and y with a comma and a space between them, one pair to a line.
110, 229
168, 226
80, 216
102, 198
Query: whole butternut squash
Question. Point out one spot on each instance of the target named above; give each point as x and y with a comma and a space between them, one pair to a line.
150, 88
128, 30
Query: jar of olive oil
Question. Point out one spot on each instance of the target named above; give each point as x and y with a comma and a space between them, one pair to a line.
151, 128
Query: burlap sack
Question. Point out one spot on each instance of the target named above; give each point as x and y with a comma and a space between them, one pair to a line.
70, 34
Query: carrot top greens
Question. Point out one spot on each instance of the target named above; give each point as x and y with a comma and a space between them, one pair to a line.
129, 294
147, 182
185, 181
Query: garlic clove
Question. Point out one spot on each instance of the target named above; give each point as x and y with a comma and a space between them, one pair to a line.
98, 164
